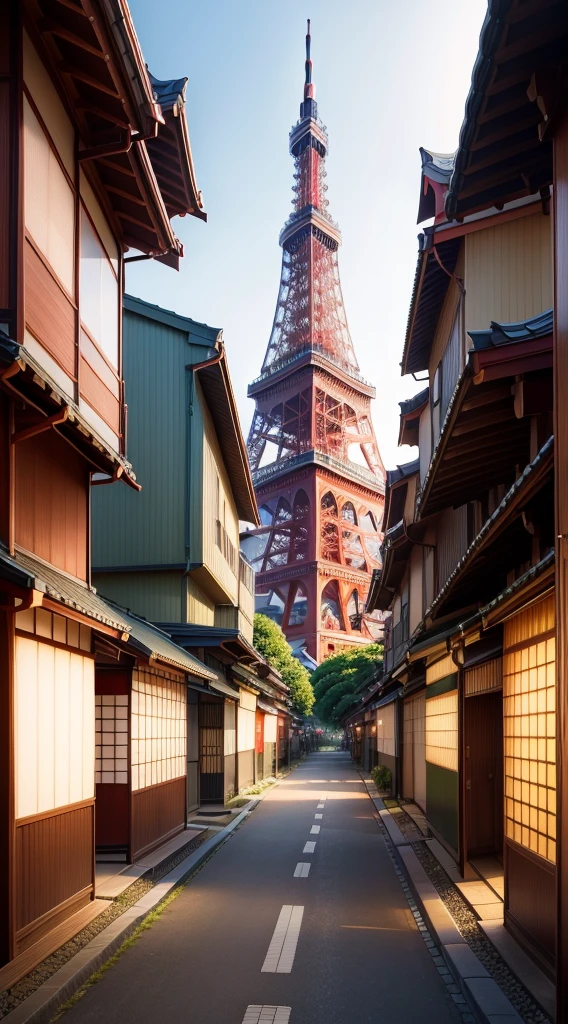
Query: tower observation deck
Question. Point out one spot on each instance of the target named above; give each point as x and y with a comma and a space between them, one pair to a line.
318, 474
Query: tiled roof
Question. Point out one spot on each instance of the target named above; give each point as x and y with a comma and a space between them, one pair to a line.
154, 643
416, 402
507, 334
67, 590
402, 472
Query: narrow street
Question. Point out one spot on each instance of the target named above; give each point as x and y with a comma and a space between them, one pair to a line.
334, 941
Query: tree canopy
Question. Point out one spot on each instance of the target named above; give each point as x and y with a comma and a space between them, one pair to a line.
270, 641
336, 681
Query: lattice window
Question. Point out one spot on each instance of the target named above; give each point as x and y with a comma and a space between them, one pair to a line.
529, 712
442, 730
158, 727
111, 738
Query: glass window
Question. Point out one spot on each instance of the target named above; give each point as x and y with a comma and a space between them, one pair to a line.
99, 297
353, 550
348, 512
330, 609
329, 504
299, 608
253, 546
271, 604
367, 522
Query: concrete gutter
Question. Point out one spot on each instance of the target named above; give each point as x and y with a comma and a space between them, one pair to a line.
480, 990
41, 1005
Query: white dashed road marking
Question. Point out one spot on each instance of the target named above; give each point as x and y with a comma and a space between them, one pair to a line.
316, 816
314, 831
282, 948
309, 847
267, 1015
320, 807
302, 869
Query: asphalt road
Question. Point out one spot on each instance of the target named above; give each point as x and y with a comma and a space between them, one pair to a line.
353, 954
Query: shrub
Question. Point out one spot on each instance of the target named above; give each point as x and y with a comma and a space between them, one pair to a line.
382, 777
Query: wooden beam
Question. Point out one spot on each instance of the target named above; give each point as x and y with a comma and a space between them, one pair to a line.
81, 76
530, 118
485, 398
48, 26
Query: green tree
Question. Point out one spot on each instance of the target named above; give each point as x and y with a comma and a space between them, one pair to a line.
270, 641
337, 681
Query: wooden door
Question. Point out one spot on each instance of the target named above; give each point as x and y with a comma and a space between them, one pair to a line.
211, 751
483, 728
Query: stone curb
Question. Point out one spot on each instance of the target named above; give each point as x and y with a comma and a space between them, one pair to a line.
40, 1007
480, 990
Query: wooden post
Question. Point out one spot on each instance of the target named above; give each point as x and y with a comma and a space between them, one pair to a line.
560, 200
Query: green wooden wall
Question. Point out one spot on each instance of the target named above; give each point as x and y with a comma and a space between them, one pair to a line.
159, 526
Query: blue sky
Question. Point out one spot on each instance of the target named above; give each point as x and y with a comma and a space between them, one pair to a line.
389, 78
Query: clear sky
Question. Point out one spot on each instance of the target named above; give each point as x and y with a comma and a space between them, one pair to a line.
389, 78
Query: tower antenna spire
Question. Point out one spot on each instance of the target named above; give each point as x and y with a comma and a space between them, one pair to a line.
309, 90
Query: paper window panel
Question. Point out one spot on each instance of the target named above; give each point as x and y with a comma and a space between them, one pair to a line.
442, 730
529, 705
49, 202
54, 727
159, 728
386, 742
111, 738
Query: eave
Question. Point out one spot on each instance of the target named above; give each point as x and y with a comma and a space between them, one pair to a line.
504, 147
24, 378
410, 412
500, 542
92, 51
434, 270
171, 152
482, 440
216, 385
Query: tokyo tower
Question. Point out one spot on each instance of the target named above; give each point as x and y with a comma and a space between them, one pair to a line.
318, 475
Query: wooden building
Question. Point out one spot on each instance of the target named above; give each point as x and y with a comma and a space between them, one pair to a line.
467, 569
84, 177
143, 741
173, 552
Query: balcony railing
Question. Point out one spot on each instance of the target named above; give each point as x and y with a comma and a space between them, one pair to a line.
246, 574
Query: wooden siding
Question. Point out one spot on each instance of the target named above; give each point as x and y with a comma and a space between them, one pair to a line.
218, 506
158, 813
50, 315
416, 589
200, 609
484, 678
99, 384
54, 870
5, 162
425, 441
245, 768
149, 528
49, 105
452, 366
446, 319
530, 904
52, 502
451, 541
414, 749
508, 271
155, 595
